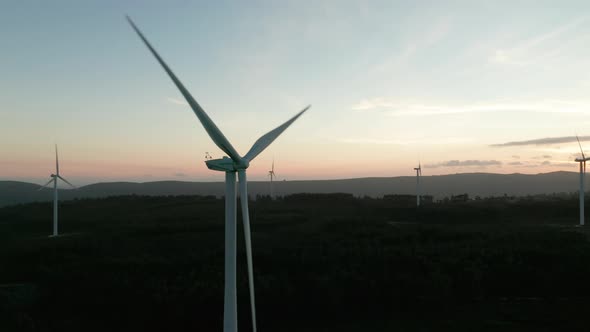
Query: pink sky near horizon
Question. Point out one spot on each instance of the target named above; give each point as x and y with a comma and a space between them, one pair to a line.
149, 168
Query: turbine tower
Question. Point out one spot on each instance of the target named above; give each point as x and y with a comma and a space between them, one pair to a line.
272, 175
54, 178
418, 175
230, 165
582, 176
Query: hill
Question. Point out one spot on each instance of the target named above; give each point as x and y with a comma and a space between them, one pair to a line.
439, 186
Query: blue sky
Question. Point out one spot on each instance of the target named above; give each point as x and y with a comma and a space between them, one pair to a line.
391, 83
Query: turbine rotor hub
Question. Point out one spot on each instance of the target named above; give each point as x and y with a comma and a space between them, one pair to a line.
243, 164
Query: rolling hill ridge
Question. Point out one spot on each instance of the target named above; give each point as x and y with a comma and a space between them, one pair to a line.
439, 186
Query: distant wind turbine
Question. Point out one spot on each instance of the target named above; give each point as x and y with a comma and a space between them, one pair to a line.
232, 165
582, 176
54, 178
418, 175
272, 175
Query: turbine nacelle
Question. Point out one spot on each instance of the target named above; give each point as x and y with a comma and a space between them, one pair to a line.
226, 164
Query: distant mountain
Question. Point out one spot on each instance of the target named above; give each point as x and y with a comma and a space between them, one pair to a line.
474, 184
14, 192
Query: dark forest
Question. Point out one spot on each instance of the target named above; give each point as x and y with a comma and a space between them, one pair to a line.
322, 262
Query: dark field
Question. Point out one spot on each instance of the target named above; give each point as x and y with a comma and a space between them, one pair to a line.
322, 263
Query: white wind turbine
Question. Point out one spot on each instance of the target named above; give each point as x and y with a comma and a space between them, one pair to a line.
272, 175
235, 163
54, 178
418, 175
582, 176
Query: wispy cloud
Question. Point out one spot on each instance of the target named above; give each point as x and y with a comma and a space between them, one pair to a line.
431, 35
177, 101
374, 141
561, 164
377, 141
369, 104
401, 108
544, 141
530, 50
465, 163
545, 163
545, 156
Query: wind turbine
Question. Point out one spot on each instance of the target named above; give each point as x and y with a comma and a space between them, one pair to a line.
54, 178
418, 175
272, 175
230, 165
582, 176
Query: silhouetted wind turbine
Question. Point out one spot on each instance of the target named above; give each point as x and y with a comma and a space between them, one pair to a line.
418, 175
272, 175
54, 178
235, 163
582, 176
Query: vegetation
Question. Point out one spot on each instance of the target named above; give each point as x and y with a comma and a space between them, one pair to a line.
322, 263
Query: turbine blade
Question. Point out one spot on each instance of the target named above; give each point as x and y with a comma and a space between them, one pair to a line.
56, 161
246, 219
214, 132
66, 181
264, 141
45, 185
580, 144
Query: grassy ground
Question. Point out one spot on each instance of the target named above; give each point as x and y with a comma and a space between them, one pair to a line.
322, 263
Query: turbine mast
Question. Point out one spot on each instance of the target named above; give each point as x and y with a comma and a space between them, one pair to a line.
230, 301
271, 173
418, 174
582, 180
55, 198
55, 230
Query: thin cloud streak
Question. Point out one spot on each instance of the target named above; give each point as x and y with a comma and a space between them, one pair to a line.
465, 163
420, 43
177, 101
400, 108
543, 141
377, 141
369, 104
374, 141
527, 52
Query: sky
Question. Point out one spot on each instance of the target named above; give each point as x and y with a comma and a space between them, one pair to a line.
457, 86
